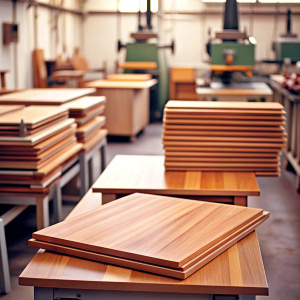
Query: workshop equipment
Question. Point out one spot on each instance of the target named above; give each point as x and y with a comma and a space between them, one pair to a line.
288, 45
231, 50
143, 51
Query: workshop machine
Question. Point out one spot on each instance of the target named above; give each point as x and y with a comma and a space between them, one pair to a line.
231, 50
142, 50
288, 45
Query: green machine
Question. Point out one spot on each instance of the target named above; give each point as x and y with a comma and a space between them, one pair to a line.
143, 51
231, 50
288, 45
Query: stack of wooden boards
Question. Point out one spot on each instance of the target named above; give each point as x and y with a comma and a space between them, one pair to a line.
35, 143
157, 234
88, 114
224, 136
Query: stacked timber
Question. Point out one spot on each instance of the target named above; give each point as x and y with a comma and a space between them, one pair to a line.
157, 234
35, 144
88, 113
224, 136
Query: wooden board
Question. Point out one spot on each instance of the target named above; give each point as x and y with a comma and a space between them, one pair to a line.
85, 103
248, 277
127, 174
97, 122
37, 137
221, 159
129, 228
4, 109
233, 128
90, 144
226, 149
231, 154
51, 96
180, 273
82, 120
100, 84
225, 105
128, 77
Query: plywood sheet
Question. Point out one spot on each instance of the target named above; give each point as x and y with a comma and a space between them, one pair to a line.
236, 105
180, 273
128, 77
4, 109
53, 96
154, 229
85, 103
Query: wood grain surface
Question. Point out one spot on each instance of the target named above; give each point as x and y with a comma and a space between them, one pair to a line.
127, 174
128, 77
121, 84
225, 105
4, 109
51, 96
85, 103
155, 229
32, 116
180, 273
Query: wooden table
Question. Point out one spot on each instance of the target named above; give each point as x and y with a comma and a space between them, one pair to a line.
128, 174
127, 107
249, 91
45, 96
56, 276
70, 76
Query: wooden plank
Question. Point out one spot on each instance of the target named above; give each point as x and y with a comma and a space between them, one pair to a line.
181, 273
100, 84
37, 137
4, 109
128, 77
210, 279
171, 242
127, 174
46, 96
85, 103
211, 148
199, 154
225, 105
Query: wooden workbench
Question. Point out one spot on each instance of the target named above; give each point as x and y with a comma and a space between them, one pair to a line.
127, 107
250, 91
57, 276
44, 96
127, 174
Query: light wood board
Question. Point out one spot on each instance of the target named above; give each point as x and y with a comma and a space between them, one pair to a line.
129, 228
4, 109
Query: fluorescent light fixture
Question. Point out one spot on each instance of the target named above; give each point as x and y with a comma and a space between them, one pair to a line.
279, 1
133, 5
252, 40
222, 1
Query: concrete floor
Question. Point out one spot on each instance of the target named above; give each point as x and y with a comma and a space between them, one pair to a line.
279, 237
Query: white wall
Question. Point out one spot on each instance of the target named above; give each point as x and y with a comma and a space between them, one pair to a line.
97, 34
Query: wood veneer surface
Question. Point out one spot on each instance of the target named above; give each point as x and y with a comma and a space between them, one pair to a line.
45, 96
155, 229
122, 84
84, 103
181, 273
145, 173
4, 109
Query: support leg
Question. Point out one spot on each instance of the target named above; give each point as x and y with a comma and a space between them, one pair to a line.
240, 200
42, 212
84, 174
43, 293
103, 156
57, 203
4, 269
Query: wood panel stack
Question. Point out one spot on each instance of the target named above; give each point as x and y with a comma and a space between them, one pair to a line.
88, 113
224, 136
36, 142
157, 234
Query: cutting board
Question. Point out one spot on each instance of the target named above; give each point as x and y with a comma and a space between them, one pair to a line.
154, 229
180, 273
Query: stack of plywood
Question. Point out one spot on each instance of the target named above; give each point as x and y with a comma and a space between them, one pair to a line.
35, 143
157, 234
88, 114
224, 136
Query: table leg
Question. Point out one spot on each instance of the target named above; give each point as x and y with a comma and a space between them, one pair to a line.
4, 269
42, 212
57, 203
3, 84
43, 293
84, 174
240, 200
106, 198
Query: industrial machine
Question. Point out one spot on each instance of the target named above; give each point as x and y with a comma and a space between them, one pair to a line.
141, 50
288, 45
231, 50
